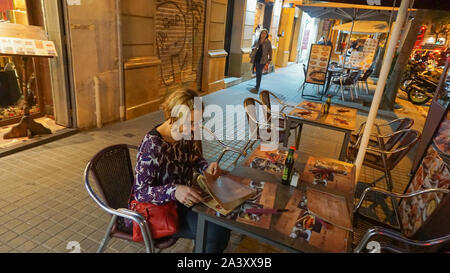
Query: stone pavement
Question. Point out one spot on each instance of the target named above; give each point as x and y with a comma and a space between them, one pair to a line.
44, 205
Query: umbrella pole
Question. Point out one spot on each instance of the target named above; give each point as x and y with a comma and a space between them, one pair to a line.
349, 36
401, 17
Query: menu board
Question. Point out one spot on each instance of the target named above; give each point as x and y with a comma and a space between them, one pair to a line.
319, 59
363, 59
27, 47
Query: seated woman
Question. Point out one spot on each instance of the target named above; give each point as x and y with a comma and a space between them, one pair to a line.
165, 168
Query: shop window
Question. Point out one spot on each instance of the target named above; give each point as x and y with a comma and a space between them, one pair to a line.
22, 78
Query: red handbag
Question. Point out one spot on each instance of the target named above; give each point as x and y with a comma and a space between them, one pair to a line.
162, 219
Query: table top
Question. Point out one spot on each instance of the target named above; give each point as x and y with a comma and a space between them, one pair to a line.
339, 117
285, 196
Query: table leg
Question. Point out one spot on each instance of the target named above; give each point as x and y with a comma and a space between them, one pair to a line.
287, 132
299, 134
200, 239
343, 154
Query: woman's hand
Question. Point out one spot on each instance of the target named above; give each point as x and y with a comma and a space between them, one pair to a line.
188, 195
213, 169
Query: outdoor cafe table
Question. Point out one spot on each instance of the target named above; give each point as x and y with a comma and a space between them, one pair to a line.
340, 118
270, 236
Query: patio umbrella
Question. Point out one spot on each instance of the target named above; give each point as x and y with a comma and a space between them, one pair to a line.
350, 13
418, 4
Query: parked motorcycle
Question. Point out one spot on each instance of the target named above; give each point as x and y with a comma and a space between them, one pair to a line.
412, 70
421, 89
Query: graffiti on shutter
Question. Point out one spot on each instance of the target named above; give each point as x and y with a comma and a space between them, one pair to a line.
179, 40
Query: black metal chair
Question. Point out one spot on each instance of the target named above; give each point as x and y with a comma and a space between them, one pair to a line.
399, 242
363, 79
113, 175
383, 159
348, 81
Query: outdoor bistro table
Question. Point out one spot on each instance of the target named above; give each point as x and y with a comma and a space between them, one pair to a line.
272, 235
340, 118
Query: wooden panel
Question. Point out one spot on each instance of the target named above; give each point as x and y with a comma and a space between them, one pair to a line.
133, 30
132, 51
22, 31
141, 85
138, 7
225, 2
218, 12
215, 45
142, 109
217, 32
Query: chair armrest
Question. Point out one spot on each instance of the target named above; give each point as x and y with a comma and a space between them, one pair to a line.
391, 122
398, 237
395, 195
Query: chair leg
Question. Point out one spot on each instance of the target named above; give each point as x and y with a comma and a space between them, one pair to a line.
367, 88
342, 92
107, 236
356, 91
389, 181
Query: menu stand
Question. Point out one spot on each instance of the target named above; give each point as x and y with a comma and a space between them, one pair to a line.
319, 59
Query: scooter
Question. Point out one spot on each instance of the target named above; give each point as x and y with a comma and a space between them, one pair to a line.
421, 89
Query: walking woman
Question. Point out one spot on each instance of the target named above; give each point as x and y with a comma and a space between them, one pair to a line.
261, 55
165, 168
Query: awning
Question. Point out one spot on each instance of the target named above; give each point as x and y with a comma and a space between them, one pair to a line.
363, 27
418, 4
323, 11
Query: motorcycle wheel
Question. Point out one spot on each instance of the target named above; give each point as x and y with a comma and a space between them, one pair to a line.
417, 97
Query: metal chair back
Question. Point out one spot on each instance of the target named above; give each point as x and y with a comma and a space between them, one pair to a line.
366, 74
113, 175
408, 140
403, 124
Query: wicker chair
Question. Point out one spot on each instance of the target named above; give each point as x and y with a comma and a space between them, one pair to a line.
113, 175
397, 241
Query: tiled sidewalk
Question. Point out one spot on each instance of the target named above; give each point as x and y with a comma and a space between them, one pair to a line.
44, 205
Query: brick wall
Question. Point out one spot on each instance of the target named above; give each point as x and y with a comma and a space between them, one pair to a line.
179, 40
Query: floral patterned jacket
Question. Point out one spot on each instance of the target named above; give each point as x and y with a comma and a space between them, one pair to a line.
161, 166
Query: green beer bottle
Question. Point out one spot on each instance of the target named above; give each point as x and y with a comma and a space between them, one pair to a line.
326, 108
288, 166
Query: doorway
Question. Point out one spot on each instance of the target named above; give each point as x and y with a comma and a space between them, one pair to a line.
228, 32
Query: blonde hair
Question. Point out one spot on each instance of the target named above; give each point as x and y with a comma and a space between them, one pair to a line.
181, 97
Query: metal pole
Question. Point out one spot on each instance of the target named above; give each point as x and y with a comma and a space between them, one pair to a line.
120, 60
401, 17
349, 36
